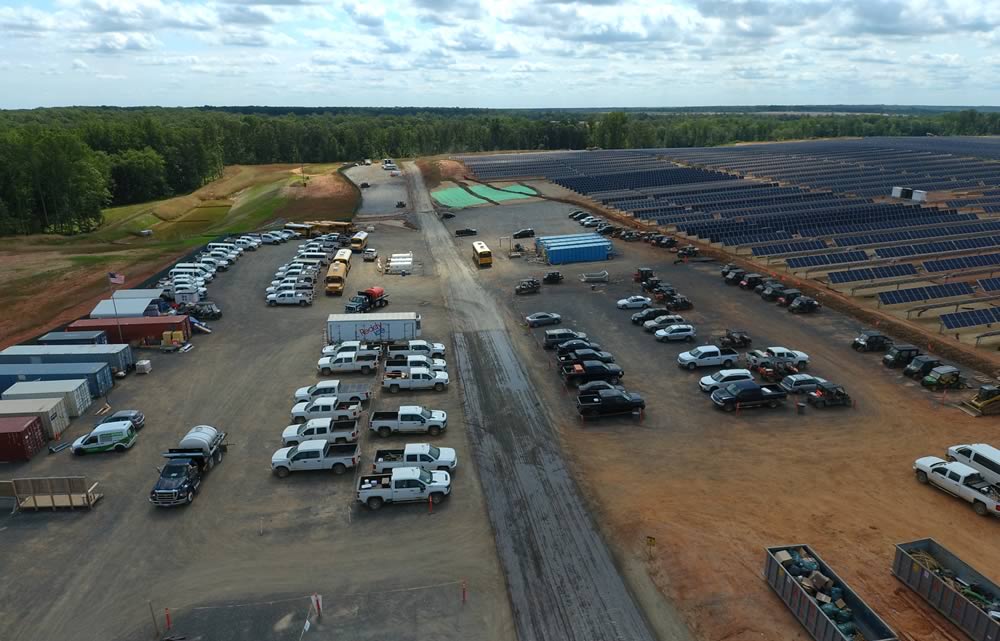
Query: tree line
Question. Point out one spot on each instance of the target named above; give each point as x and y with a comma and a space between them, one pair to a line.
60, 167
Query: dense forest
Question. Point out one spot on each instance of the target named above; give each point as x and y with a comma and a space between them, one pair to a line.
60, 167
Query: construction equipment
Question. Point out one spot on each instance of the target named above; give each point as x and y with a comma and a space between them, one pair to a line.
642, 275
985, 403
736, 338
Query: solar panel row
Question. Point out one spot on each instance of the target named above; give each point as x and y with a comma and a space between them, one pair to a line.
915, 294
958, 320
872, 273
989, 284
961, 262
827, 259
788, 248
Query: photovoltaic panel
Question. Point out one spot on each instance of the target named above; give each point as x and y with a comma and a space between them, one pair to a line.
989, 284
873, 273
961, 262
827, 259
916, 294
788, 248
973, 318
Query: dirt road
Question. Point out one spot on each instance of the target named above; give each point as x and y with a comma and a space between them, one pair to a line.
562, 581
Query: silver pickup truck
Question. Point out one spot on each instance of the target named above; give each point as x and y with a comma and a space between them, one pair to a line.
422, 455
418, 378
314, 455
409, 419
958, 479
403, 485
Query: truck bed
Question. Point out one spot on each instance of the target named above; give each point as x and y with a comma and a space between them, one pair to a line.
345, 450
388, 456
374, 481
384, 416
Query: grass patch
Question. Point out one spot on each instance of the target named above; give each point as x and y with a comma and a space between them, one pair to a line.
89, 260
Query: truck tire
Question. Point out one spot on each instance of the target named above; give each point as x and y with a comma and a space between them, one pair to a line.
384, 432
980, 508
921, 477
120, 448
218, 456
614, 380
820, 404
437, 497
189, 498
394, 389
282, 472
365, 369
691, 366
688, 339
80, 452
727, 364
339, 469
728, 407
434, 430
772, 404
438, 387
325, 371
375, 502
272, 303
801, 364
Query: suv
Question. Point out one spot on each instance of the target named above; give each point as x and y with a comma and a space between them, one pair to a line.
524, 233
676, 333
466, 232
662, 321
554, 337
723, 377
649, 313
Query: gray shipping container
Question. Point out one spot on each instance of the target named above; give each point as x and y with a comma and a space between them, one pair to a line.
95, 337
98, 375
118, 355
807, 610
52, 411
943, 597
75, 393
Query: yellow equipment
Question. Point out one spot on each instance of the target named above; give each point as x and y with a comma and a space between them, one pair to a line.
985, 403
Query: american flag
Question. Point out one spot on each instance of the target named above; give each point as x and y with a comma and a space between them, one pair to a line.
116, 278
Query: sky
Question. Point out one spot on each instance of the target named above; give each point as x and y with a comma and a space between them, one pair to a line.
500, 54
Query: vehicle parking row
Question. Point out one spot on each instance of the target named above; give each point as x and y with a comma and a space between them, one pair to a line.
770, 289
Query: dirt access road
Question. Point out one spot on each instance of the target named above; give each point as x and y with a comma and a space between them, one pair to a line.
562, 580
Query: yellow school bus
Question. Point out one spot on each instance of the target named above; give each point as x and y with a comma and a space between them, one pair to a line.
343, 256
336, 279
481, 254
359, 241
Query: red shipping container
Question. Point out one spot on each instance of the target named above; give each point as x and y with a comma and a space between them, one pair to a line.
20, 437
135, 329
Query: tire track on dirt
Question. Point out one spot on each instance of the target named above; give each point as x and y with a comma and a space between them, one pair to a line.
561, 579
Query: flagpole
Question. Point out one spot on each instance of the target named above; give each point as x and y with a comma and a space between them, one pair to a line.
114, 306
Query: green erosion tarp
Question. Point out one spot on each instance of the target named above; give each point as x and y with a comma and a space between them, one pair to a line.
456, 197
495, 194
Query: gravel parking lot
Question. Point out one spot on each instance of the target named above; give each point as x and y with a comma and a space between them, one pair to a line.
245, 556
384, 190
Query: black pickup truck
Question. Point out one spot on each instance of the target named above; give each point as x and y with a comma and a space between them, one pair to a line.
591, 371
745, 394
586, 354
608, 402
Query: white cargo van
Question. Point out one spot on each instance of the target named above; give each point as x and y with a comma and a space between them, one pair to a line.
320, 256
984, 458
227, 247
205, 269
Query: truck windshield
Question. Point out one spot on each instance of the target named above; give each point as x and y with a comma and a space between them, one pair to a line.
174, 471
425, 477
733, 389
434, 452
425, 413
696, 352
718, 376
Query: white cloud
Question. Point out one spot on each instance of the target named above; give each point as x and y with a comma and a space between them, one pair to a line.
80, 65
110, 43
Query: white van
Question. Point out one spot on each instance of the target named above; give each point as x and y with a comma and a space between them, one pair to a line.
227, 247
321, 256
203, 268
190, 271
984, 458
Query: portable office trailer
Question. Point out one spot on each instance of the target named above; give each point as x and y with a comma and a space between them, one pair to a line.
20, 437
375, 328
74, 392
579, 253
810, 612
147, 329
117, 355
125, 308
148, 294
98, 375
92, 337
920, 565
51, 411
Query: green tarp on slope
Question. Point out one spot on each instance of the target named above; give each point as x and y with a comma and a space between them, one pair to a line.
456, 197
495, 194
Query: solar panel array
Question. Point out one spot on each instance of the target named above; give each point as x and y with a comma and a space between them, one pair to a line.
959, 320
915, 294
788, 248
872, 273
827, 259
961, 262
989, 284
917, 234
940, 247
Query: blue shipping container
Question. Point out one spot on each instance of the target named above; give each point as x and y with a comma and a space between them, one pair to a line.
547, 239
97, 337
578, 253
576, 243
118, 355
98, 375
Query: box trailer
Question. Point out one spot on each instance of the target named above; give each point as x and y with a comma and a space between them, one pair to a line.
98, 375
91, 337
834, 621
117, 355
372, 328
146, 329
20, 438
951, 586
75, 393
51, 411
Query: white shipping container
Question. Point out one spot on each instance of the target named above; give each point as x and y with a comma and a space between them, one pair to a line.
75, 393
372, 328
52, 411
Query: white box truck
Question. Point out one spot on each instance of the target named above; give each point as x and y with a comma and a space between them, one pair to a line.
372, 328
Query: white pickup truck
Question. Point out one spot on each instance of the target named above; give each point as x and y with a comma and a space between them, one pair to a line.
325, 407
348, 362
775, 355
415, 348
958, 479
409, 419
708, 356
403, 485
321, 429
357, 392
406, 363
422, 455
417, 379
348, 347
314, 455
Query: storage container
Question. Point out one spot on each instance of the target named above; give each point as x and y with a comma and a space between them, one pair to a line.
124, 308
578, 253
373, 327
90, 337
915, 564
117, 355
807, 610
20, 437
74, 392
98, 375
51, 411
148, 329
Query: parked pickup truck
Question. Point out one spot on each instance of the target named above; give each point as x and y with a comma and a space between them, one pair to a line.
609, 402
777, 355
201, 449
958, 479
325, 407
708, 356
591, 371
418, 378
356, 392
406, 363
409, 419
348, 347
321, 429
422, 455
581, 355
403, 485
348, 362
314, 455
745, 394
415, 348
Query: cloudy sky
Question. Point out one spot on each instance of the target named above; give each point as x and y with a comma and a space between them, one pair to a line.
498, 53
